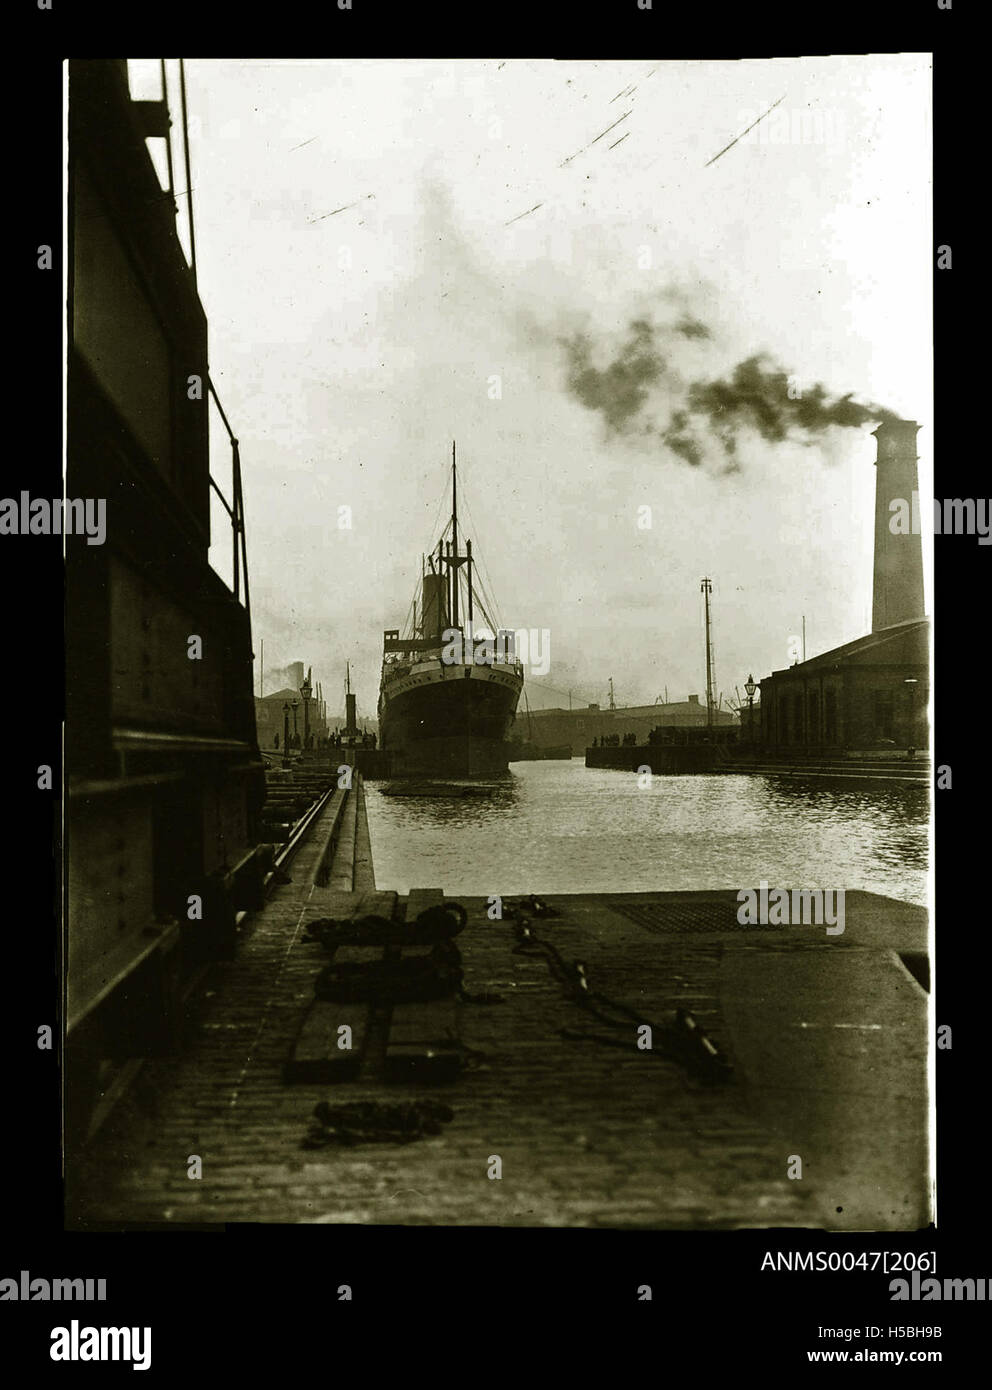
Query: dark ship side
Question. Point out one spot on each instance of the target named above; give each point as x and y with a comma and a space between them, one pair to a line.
165, 780
448, 694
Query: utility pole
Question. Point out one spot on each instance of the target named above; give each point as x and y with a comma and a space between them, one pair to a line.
454, 538
706, 589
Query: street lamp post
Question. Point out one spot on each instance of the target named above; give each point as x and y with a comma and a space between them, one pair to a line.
285, 734
306, 690
750, 687
910, 683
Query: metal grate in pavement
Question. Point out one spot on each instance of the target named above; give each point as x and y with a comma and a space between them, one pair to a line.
675, 918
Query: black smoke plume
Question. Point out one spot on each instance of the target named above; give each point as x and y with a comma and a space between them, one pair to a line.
761, 396
642, 391
621, 390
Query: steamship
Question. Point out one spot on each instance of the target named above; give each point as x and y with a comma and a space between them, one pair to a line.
448, 694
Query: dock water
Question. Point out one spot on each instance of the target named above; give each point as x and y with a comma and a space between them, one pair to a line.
666, 759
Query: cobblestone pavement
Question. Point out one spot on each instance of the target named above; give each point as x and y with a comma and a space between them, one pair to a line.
587, 1134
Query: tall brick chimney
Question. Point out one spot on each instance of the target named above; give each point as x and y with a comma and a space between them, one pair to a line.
898, 589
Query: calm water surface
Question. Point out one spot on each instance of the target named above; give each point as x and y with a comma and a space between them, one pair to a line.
559, 827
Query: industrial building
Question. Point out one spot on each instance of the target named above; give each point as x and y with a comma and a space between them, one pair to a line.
548, 728
307, 713
872, 693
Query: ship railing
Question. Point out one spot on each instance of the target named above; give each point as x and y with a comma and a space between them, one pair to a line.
411, 658
395, 665
235, 510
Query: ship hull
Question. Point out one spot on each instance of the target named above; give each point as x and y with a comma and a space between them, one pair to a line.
449, 721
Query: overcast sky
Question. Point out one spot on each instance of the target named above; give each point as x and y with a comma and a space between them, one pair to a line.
350, 349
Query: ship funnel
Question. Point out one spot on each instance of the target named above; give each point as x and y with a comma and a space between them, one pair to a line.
433, 605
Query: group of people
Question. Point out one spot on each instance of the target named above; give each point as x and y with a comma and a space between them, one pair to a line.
334, 740
615, 741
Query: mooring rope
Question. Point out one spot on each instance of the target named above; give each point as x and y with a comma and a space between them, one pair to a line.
681, 1039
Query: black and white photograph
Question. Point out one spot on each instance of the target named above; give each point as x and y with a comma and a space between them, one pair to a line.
498, 733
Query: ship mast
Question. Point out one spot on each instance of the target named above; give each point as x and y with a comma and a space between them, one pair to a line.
454, 539
452, 559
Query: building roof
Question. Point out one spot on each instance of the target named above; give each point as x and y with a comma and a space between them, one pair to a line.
861, 647
659, 713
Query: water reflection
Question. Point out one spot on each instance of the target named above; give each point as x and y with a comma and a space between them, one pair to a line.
561, 827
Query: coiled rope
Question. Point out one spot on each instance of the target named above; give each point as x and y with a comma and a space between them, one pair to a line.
374, 1122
